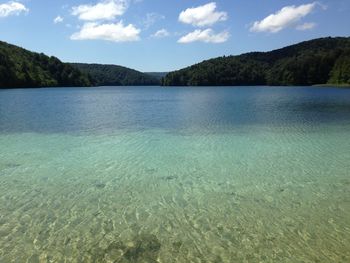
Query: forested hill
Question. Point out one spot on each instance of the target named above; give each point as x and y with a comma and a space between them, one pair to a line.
157, 75
23, 68
113, 75
319, 61
20, 68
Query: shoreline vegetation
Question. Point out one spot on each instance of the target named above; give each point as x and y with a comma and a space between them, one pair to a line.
319, 61
323, 60
113, 75
332, 85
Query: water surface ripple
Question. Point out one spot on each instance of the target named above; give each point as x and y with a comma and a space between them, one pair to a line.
212, 174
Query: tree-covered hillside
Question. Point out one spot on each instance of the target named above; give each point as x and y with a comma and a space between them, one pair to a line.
113, 75
319, 61
20, 68
23, 68
157, 75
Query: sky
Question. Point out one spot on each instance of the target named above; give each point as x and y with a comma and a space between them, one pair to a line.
165, 35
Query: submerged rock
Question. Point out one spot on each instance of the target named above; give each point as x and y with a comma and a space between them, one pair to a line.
170, 177
142, 249
99, 185
12, 165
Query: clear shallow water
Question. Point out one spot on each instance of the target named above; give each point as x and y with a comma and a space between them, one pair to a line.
175, 175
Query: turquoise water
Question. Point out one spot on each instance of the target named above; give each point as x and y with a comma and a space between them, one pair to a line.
250, 174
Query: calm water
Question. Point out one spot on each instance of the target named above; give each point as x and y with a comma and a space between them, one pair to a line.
249, 174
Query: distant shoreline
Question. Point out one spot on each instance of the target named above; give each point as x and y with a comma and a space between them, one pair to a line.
340, 86
332, 85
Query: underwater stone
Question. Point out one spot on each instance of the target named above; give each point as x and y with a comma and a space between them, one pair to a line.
170, 177
177, 246
108, 226
143, 248
12, 165
100, 185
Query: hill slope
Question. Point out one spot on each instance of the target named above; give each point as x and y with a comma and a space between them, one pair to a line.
113, 75
319, 61
23, 68
20, 68
157, 75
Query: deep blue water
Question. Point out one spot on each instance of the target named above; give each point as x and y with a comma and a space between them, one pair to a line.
187, 109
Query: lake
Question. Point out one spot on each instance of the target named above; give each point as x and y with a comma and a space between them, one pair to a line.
186, 174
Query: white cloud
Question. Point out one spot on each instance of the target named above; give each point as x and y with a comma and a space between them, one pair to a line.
151, 19
58, 19
161, 33
207, 36
306, 26
112, 32
12, 8
104, 10
286, 17
204, 15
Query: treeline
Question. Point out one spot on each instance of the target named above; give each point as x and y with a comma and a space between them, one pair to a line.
22, 68
113, 75
319, 61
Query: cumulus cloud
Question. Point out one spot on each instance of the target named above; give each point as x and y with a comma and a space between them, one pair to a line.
207, 36
115, 32
104, 10
286, 17
204, 15
12, 8
58, 19
161, 33
306, 26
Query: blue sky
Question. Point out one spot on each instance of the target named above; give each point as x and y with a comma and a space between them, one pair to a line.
163, 35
